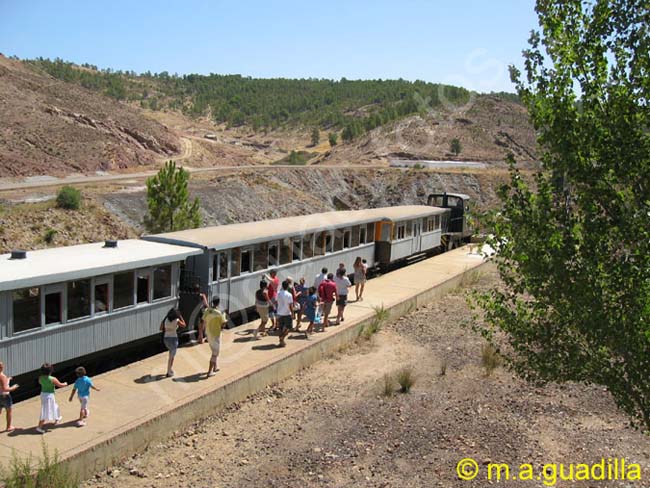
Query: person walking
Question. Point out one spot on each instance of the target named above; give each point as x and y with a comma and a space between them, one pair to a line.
327, 294
285, 301
169, 326
203, 304
301, 293
6, 401
262, 305
49, 408
360, 277
82, 386
274, 287
342, 283
311, 306
214, 320
320, 277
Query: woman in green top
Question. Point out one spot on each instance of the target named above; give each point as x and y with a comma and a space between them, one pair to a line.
49, 408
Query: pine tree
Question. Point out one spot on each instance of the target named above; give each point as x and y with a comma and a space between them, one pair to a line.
333, 139
315, 136
168, 201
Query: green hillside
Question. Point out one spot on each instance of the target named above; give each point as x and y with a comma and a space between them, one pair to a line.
353, 106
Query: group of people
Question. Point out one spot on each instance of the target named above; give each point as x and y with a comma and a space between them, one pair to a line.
50, 412
278, 302
283, 302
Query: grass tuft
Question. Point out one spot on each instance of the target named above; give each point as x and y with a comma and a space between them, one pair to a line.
388, 387
406, 379
381, 313
443, 367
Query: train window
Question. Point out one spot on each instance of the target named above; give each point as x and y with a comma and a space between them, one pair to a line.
437, 201
285, 251
401, 231
370, 232
386, 229
53, 308
101, 297
347, 239
338, 240
455, 202
355, 236
142, 287
122, 290
235, 256
223, 266
260, 256
215, 266
362, 235
246, 260
296, 244
78, 299
27, 309
437, 222
162, 282
273, 255
409, 228
308, 246
329, 242
319, 244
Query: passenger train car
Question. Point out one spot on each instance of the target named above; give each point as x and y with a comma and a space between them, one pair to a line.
64, 303
235, 257
67, 305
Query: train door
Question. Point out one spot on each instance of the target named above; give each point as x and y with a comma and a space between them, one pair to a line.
417, 236
221, 286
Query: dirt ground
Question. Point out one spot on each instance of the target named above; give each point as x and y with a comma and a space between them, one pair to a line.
330, 425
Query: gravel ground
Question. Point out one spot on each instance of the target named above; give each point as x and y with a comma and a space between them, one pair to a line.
330, 425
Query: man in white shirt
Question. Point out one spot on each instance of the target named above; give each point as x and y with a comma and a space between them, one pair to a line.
320, 277
285, 303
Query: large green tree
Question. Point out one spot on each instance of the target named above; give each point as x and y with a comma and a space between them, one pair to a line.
168, 200
574, 246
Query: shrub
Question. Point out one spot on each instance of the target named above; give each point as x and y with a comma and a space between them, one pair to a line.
455, 146
68, 198
406, 379
490, 359
49, 236
333, 138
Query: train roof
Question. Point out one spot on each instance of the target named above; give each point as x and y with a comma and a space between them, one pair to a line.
59, 264
244, 234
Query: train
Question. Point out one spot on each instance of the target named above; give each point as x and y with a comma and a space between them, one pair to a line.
76, 304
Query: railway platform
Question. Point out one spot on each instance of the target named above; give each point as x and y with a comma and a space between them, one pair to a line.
138, 405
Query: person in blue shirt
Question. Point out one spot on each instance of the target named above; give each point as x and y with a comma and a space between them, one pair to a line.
82, 386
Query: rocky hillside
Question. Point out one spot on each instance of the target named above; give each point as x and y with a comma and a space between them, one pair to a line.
488, 128
40, 225
49, 126
254, 195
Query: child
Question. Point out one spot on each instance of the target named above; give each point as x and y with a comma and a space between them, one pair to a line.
82, 386
5, 396
49, 408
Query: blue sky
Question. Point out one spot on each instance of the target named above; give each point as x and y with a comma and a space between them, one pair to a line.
463, 42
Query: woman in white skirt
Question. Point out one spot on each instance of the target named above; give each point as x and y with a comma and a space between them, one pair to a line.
49, 408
